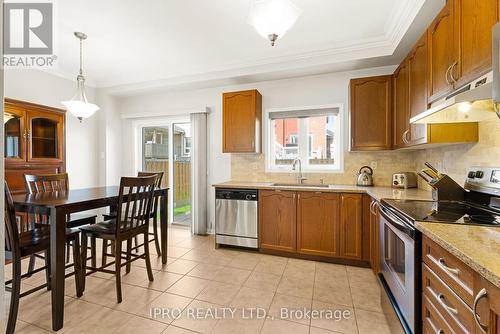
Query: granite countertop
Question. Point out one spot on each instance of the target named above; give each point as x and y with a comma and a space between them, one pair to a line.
476, 246
375, 192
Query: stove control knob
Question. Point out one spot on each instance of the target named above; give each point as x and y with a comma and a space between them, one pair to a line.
479, 174
396, 182
471, 175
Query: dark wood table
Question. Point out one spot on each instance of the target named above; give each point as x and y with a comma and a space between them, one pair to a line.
58, 205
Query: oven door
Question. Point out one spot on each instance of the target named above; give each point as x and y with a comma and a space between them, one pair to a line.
397, 257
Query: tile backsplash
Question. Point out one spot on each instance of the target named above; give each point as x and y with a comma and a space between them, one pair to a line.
453, 160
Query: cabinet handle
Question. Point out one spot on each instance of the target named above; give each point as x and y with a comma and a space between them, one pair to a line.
445, 267
442, 301
372, 204
446, 75
405, 137
481, 294
453, 80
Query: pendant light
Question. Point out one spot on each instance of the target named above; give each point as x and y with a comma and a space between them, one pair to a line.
78, 105
273, 18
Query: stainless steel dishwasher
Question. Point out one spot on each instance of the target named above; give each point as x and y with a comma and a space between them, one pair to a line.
236, 217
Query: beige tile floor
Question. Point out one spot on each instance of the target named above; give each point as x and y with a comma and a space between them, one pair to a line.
202, 281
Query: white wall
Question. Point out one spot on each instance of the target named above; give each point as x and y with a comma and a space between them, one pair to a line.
82, 138
313, 90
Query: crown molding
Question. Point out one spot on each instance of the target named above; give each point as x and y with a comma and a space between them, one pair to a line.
385, 45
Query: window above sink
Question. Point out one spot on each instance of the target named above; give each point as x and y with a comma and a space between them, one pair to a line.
312, 134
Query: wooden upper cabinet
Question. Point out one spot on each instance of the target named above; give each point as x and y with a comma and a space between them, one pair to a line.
474, 20
443, 54
417, 77
277, 220
318, 219
241, 122
351, 226
400, 107
371, 113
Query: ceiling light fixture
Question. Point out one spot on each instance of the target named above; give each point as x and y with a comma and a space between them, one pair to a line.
78, 105
273, 18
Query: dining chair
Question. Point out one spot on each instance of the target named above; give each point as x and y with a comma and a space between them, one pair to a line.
42, 183
19, 245
154, 216
135, 199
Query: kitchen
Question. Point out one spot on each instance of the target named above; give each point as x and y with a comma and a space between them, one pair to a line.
303, 183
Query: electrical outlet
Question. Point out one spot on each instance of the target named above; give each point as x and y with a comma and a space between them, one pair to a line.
373, 165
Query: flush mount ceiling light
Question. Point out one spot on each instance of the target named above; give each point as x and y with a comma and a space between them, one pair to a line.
273, 18
78, 105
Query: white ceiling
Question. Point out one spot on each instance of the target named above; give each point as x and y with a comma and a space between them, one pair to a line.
139, 43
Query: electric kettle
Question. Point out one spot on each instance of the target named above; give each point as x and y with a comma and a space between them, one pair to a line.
365, 176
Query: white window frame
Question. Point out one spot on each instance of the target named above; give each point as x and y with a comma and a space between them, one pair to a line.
339, 134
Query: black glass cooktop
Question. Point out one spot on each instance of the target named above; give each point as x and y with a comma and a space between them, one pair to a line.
445, 212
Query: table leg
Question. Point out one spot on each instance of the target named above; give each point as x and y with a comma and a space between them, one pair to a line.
57, 265
163, 227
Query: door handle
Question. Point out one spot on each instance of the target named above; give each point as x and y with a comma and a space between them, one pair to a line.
405, 137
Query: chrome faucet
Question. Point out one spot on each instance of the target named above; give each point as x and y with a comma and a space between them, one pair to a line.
300, 177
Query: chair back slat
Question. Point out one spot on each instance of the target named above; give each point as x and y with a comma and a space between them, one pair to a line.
135, 200
159, 177
46, 182
41, 183
11, 228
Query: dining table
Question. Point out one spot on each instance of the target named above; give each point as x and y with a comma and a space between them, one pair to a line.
58, 205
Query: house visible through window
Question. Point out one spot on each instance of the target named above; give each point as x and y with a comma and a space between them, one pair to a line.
311, 135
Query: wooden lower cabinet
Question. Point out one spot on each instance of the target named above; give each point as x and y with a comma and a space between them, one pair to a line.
277, 220
314, 224
318, 222
488, 306
351, 226
449, 291
371, 208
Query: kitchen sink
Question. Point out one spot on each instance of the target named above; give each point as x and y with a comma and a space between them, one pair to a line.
302, 185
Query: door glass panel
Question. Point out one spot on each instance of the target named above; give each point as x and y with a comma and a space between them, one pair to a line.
394, 254
43, 138
13, 136
155, 151
182, 173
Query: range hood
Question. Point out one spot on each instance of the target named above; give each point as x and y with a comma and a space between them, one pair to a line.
477, 101
471, 103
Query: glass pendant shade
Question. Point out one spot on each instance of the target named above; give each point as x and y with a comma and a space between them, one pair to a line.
273, 18
78, 105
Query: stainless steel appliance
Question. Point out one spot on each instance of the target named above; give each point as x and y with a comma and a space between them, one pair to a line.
365, 176
400, 242
404, 180
236, 217
399, 263
472, 102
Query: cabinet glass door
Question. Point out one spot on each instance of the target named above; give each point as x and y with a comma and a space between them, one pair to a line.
43, 138
14, 136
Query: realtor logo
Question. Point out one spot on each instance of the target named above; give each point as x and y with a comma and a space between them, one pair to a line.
28, 28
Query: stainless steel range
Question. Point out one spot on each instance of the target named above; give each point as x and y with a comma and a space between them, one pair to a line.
400, 247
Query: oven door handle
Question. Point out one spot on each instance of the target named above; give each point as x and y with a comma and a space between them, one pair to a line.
396, 221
